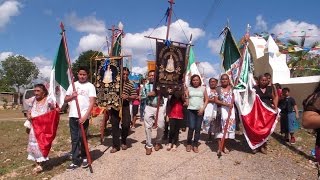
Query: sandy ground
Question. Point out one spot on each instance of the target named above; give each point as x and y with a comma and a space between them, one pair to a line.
163, 164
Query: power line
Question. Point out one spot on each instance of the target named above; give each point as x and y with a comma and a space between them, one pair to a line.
213, 8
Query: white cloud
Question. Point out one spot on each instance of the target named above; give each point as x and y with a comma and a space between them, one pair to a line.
209, 69
44, 65
139, 70
292, 28
87, 24
8, 9
4, 55
137, 45
261, 24
215, 45
141, 47
91, 42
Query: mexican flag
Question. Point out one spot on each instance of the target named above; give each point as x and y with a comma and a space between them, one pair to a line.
116, 48
60, 77
191, 68
258, 119
45, 129
230, 55
45, 126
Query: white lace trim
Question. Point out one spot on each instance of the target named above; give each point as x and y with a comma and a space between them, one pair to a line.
40, 159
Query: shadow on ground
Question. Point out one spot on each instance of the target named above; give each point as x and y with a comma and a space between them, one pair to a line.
294, 149
238, 144
56, 161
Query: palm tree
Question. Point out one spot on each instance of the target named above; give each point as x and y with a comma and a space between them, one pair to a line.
301, 63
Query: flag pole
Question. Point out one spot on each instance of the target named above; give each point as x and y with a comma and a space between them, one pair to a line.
169, 18
246, 39
84, 139
226, 126
113, 29
155, 125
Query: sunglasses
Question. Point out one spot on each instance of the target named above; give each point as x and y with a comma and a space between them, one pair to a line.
224, 79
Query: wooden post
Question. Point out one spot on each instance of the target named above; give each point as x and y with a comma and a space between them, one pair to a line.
169, 18
84, 138
226, 126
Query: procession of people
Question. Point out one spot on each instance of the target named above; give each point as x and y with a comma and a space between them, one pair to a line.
169, 101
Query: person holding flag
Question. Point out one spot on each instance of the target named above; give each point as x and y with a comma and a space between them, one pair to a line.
267, 95
224, 101
150, 114
128, 94
42, 126
258, 119
86, 94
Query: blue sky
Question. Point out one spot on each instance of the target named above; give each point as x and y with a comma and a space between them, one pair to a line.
31, 27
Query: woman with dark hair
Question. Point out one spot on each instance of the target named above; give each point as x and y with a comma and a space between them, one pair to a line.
268, 96
175, 114
211, 109
197, 100
39, 104
224, 101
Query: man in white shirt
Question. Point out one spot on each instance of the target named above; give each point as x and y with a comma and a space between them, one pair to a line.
86, 94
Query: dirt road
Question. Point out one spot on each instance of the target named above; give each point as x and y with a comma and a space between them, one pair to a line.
280, 163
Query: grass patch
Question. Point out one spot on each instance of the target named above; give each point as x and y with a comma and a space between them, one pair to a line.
300, 151
10, 113
13, 151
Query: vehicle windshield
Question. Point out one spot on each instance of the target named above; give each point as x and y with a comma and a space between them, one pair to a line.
29, 94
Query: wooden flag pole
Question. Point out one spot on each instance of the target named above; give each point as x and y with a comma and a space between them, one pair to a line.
84, 139
169, 18
226, 126
113, 29
155, 125
225, 129
246, 38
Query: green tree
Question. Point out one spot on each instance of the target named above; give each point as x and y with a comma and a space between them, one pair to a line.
5, 87
84, 60
4, 84
19, 72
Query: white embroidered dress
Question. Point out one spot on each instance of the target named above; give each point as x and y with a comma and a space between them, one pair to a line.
37, 109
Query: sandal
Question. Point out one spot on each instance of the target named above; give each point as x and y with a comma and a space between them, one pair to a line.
226, 151
169, 146
174, 148
219, 153
189, 147
37, 169
195, 149
114, 150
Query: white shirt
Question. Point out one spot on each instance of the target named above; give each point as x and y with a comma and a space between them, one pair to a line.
85, 91
211, 109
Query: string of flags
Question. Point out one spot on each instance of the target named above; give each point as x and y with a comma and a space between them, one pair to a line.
289, 48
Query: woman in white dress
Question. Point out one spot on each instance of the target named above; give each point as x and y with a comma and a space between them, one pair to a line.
224, 100
39, 105
211, 109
